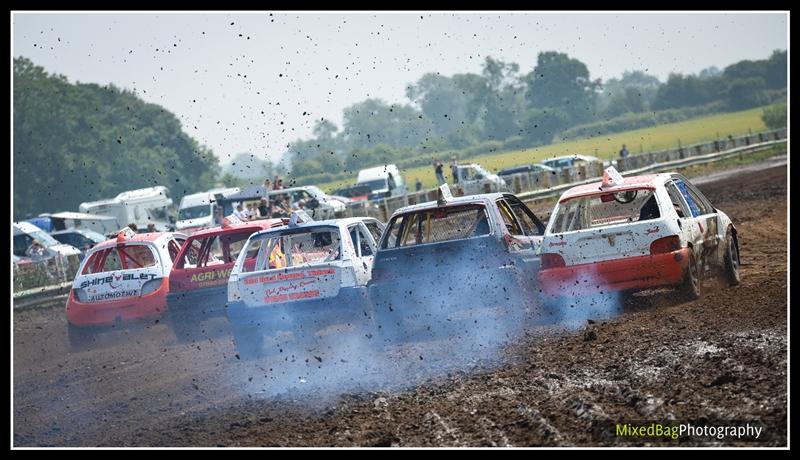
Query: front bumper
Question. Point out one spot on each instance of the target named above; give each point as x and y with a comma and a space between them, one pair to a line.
642, 272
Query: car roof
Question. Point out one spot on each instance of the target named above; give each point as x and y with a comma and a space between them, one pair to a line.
574, 156
220, 230
82, 231
630, 182
483, 198
339, 223
153, 237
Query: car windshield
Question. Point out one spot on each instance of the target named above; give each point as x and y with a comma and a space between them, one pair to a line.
436, 225
44, 238
604, 209
375, 184
560, 163
293, 248
194, 212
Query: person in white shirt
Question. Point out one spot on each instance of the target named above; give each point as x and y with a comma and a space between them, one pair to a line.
240, 213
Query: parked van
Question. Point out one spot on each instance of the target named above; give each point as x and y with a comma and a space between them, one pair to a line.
196, 211
383, 181
151, 205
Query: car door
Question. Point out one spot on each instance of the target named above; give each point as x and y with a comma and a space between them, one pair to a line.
365, 247
521, 244
533, 234
704, 221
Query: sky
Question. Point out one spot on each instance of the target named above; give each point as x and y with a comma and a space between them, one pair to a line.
252, 82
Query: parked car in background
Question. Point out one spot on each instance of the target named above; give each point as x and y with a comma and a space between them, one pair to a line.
317, 203
198, 282
472, 179
196, 211
26, 233
571, 161
354, 192
530, 169
305, 277
80, 238
119, 281
383, 181
464, 261
634, 233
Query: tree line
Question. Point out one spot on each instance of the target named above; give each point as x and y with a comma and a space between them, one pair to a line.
82, 142
504, 107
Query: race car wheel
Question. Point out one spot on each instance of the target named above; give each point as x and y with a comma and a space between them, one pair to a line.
732, 260
79, 337
249, 342
690, 289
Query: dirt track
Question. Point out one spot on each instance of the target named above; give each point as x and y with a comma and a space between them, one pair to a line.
720, 358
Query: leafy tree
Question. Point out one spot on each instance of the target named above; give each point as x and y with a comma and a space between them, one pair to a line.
744, 93
559, 81
775, 116
84, 142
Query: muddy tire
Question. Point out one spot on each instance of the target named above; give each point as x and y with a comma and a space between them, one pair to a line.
690, 288
732, 274
80, 338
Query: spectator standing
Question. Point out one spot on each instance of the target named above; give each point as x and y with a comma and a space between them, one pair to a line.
418, 184
454, 170
623, 153
438, 169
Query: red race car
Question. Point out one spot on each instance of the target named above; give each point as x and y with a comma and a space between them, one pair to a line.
198, 283
121, 280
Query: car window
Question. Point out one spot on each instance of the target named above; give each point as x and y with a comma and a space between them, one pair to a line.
605, 209
311, 246
678, 203
509, 219
699, 195
375, 230
125, 258
696, 205
190, 257
365, 248
174, 248
437, 225
531, 225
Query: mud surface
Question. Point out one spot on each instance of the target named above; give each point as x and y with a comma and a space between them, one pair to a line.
722, 358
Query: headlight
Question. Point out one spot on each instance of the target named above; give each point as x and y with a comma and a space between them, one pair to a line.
151, 286
80, 294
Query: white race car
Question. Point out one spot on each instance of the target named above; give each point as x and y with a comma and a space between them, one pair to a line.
635, 233
306, 276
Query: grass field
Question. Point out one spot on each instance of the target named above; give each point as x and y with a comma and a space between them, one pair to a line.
641, 140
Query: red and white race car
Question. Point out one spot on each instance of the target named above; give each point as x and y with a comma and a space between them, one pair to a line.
198, 283
635, 233
121, 280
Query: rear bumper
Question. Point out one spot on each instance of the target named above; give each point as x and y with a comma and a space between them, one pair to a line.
350, 304
107, 313
632, 273
436, 290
